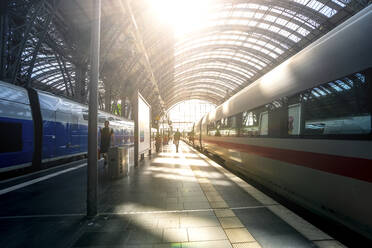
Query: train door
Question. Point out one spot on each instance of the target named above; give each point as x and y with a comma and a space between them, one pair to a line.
74, 134
63, 121
83, 129
294, 119
49, 134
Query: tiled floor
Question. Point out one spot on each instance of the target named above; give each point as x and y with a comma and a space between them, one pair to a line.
171, 200
180, 200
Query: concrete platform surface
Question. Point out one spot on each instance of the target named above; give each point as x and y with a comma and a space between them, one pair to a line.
171, 200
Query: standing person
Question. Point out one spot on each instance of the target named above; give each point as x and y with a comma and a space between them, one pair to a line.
106, 136
177, 137
157, 142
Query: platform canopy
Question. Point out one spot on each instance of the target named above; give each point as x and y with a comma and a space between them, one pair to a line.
46, 45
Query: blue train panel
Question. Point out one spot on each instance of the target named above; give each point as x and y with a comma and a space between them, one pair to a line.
16, 128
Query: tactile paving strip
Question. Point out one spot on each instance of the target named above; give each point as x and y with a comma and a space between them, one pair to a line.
238, 235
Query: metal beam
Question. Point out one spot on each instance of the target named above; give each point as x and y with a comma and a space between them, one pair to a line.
126, 8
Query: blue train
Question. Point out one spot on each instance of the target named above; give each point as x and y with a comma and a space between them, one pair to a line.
37, 127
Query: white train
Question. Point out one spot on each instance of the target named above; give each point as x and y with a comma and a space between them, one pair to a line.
303, 130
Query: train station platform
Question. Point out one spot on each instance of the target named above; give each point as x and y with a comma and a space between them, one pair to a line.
170, 200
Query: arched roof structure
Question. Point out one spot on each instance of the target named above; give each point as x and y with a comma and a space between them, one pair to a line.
46, 45
242, 40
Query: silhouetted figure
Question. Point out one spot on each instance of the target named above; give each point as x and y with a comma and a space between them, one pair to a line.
106, 136
177, 137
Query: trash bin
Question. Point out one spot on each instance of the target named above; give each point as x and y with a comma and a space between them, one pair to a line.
118, 162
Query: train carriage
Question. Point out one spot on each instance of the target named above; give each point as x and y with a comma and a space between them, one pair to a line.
303, 130
37, 127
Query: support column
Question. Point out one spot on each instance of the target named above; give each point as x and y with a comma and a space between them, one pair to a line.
3, 37
92, 192
135, 118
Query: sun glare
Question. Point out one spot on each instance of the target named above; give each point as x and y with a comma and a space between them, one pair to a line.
184, 16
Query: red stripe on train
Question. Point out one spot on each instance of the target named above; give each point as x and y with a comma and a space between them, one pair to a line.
358, 168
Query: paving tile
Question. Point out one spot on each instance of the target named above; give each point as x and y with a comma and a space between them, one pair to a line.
171, 200
269, 230
169, 222
196, 205
199, 221
206, 233
224, 213
196, 199
208, 244
143, 222
329, 244
230, 222
218, 204
174, 206
101, 238
247, 245
167, 245
239, 235
208, 188
126, 246
145, 236
175, 235
200, 213
214, 198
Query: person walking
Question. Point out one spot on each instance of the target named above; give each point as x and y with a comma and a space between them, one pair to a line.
176, 138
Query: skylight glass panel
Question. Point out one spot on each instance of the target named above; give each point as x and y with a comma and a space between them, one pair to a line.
327, 11
294, 38
303, 31
361, 77
284, 33
270, 18
349, 81
292, 26
303, 2
281, 21
315, 93
263, 25
273, 55
274, 29
316, 5
334, 86
342, 4
343, 85
277, 50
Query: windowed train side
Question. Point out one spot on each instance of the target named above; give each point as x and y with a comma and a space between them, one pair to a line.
304, 130
37, 127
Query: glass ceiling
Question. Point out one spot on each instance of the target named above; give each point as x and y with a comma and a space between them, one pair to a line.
219, 46
239, 41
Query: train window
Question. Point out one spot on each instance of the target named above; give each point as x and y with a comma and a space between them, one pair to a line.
341, 107
11, 137
227, 127
211, 129
13, 94
63, 117
250, 122
264, 123
294, 119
